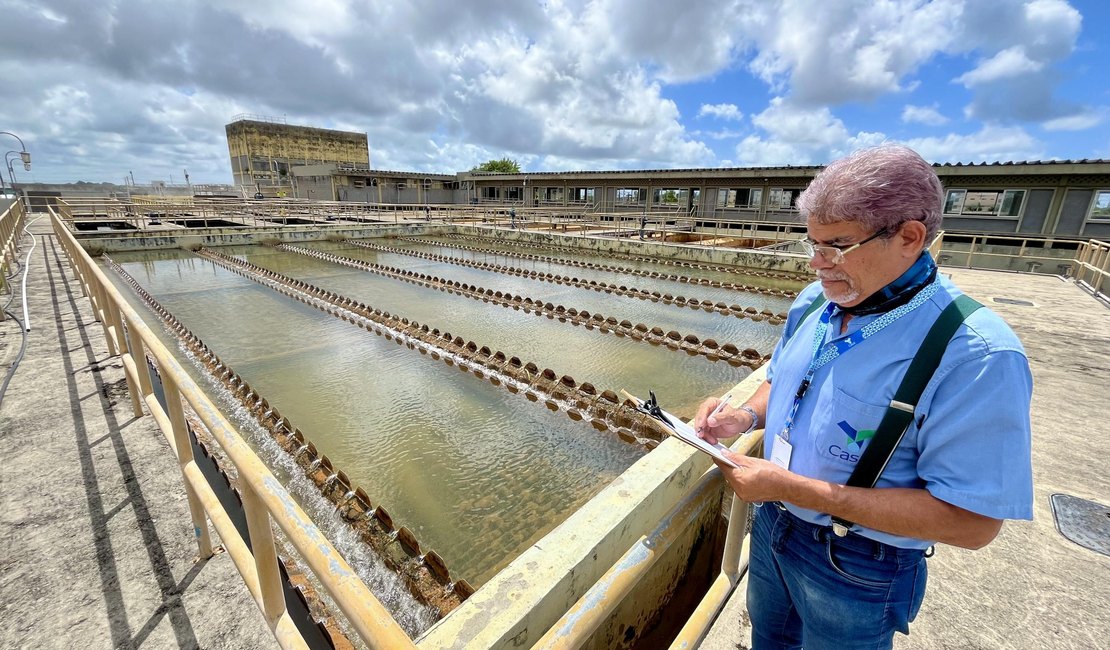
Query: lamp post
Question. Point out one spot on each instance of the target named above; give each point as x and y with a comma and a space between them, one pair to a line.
23, 155
8, 164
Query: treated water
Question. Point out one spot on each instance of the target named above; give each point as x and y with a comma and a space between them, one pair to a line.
478, 473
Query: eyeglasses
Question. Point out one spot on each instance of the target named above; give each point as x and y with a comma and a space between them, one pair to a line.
835, 254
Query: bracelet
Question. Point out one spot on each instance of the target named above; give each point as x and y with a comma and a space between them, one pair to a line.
755, 418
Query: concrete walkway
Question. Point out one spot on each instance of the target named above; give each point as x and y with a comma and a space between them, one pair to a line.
1032, 587
96, 544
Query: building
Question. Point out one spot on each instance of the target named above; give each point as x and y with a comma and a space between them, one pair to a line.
1037, 198
264, 151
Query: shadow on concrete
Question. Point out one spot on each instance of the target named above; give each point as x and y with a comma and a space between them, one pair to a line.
170, 589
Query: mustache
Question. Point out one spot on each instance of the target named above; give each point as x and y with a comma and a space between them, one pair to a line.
830, 274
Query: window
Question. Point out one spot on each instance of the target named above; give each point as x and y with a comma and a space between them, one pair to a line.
1003, 203
514, 193
783, 199
582, 194
628, 195
668, 196
743, 197
553, 194
1100, 209
954, 201
491, 192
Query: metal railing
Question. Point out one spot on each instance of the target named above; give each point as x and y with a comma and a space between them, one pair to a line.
11, 223
602, 600
265, 499
1030, 254
1091, 265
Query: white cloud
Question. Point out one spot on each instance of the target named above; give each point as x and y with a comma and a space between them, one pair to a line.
851, 50
562, 84
992, 143
1077, 122
928, 115
680, 44
721, 111
1007, 64
798, 135
1017, 75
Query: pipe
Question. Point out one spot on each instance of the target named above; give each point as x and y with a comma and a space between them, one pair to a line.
599, 602
26, 267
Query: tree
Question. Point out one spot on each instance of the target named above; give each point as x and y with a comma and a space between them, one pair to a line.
503, 166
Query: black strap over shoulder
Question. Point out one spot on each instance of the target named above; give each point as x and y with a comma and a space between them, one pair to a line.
813, 306
899, 414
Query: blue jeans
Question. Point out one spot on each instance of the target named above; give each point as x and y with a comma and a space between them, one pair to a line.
808, 587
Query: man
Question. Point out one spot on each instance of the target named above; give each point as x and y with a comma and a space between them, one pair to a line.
512, 218
963, 465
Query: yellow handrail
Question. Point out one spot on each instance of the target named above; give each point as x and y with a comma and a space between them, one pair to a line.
265, 499
1091, 265
601, 600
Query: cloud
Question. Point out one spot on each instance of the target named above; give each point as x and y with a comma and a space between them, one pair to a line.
928, 115
830, 53
682, 44
721, 111
1077, 122
1007, 64
851, 50
564, 84
992, 143
1017, 76
799, 135
520, 79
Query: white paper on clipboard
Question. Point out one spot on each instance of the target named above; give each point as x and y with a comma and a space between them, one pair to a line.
686, 433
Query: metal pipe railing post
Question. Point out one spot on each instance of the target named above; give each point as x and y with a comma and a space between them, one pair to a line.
101, 312
265, 553
134, 383
180, 431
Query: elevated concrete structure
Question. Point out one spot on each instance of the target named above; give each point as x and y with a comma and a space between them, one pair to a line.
126, 577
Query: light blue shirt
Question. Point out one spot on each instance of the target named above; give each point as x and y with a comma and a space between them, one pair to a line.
969, 443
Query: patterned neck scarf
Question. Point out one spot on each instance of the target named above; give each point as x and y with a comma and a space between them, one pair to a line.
899, 292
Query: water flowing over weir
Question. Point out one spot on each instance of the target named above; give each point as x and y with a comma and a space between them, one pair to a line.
638, 332
424, 573
736, 310
791, 278
606, 360
353, 405
624, 270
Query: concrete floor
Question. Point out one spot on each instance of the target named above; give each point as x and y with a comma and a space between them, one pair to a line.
1032, 587
96, 544
96, 547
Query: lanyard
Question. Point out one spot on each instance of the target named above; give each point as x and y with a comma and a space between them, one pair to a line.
825, 354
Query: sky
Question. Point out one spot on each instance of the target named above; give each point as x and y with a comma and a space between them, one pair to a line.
101, 89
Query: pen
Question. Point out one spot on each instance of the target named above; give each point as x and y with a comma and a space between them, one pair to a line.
720, 407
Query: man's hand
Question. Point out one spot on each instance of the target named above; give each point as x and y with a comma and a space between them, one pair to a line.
755, 479
726, 423
910, 512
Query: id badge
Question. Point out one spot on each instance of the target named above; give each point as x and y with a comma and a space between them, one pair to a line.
780, 452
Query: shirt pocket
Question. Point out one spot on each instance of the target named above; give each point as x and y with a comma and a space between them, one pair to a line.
844, 429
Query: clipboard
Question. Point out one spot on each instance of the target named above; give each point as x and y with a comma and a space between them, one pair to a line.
679, 429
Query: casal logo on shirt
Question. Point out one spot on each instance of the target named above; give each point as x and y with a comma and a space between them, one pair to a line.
853, 444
